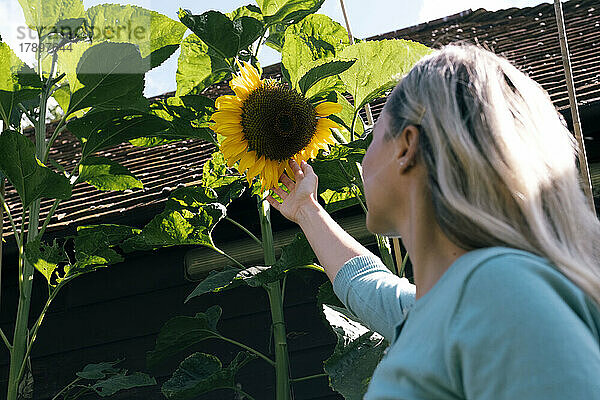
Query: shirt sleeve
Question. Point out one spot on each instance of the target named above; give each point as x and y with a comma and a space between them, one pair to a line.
523, 331
373, 294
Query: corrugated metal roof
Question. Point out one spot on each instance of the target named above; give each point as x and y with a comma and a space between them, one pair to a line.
528, 37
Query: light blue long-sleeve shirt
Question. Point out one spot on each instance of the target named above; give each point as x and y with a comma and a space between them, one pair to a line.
499, 324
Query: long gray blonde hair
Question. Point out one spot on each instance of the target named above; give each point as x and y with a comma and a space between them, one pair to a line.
502, 164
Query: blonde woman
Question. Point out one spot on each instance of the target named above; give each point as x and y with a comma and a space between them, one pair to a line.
472, 167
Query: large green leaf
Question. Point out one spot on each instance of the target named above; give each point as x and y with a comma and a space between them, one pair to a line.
198, 67
46, 259
180, 333
215, 175
328, 37
111, 75
339, 174
42, 15
122, 381
32, 179
106, 174
18, 82
156, 35
379, 66
187, 116
106, 128
220, 33
246, 11
202, 373
357, 353
297, 254
287, 11
95, 247
320, 70
99, 370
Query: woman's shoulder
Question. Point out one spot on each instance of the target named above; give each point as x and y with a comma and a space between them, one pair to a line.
503, 282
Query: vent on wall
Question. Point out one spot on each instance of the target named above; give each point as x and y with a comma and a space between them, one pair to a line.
200, 261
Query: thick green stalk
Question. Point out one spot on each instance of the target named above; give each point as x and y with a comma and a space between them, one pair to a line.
21, 334
282, 390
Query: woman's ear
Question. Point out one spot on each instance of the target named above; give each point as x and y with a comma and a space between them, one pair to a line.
407, 146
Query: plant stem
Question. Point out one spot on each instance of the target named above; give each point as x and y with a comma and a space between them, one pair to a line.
21, 333
39, 322
5, 339
250, 349
274, 291
260, 42
66, 388
305, 378
233, 260
49, 217
10, 218
243, 228
353, 126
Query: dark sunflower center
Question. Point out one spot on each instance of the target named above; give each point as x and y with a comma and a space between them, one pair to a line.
277, 121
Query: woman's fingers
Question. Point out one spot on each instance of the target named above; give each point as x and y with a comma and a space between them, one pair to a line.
298, 173
274, 203
287, 181
280, 192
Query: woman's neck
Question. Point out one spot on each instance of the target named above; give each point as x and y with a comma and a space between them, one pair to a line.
430, 251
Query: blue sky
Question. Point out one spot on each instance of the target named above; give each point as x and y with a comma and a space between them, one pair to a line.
367, 18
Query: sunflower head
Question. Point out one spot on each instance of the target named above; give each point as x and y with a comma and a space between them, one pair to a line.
266, 123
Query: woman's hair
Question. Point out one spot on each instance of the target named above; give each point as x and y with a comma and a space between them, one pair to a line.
501, 163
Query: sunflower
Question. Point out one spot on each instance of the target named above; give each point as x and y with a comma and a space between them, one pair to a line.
266, 123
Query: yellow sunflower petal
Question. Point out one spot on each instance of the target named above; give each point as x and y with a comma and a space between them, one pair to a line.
246, 161
328, 108
326, 123
228, 101
227, 117
232, 147
250, 74
227, 130
257, 167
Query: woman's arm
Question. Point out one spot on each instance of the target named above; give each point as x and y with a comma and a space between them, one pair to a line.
368, 289
332, 245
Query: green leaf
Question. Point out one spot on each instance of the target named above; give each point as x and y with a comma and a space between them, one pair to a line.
181, 332
202, 373
288, 11
94, 247
379, 67
276, 37
328, 37
156, 35
99, 370
296, 254
18, 82
122, 381
215, 176
343, 118
337, 169
110, 75
357, 353
179, 227
198, 68
339, 199
326, 295
45, 258
322, 70
31, 178
101, 129
220, 33
217, 281
106, 174
151, 141
187, 116
246, 11
41, 15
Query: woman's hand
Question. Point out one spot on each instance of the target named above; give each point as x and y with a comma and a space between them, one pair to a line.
301, 195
